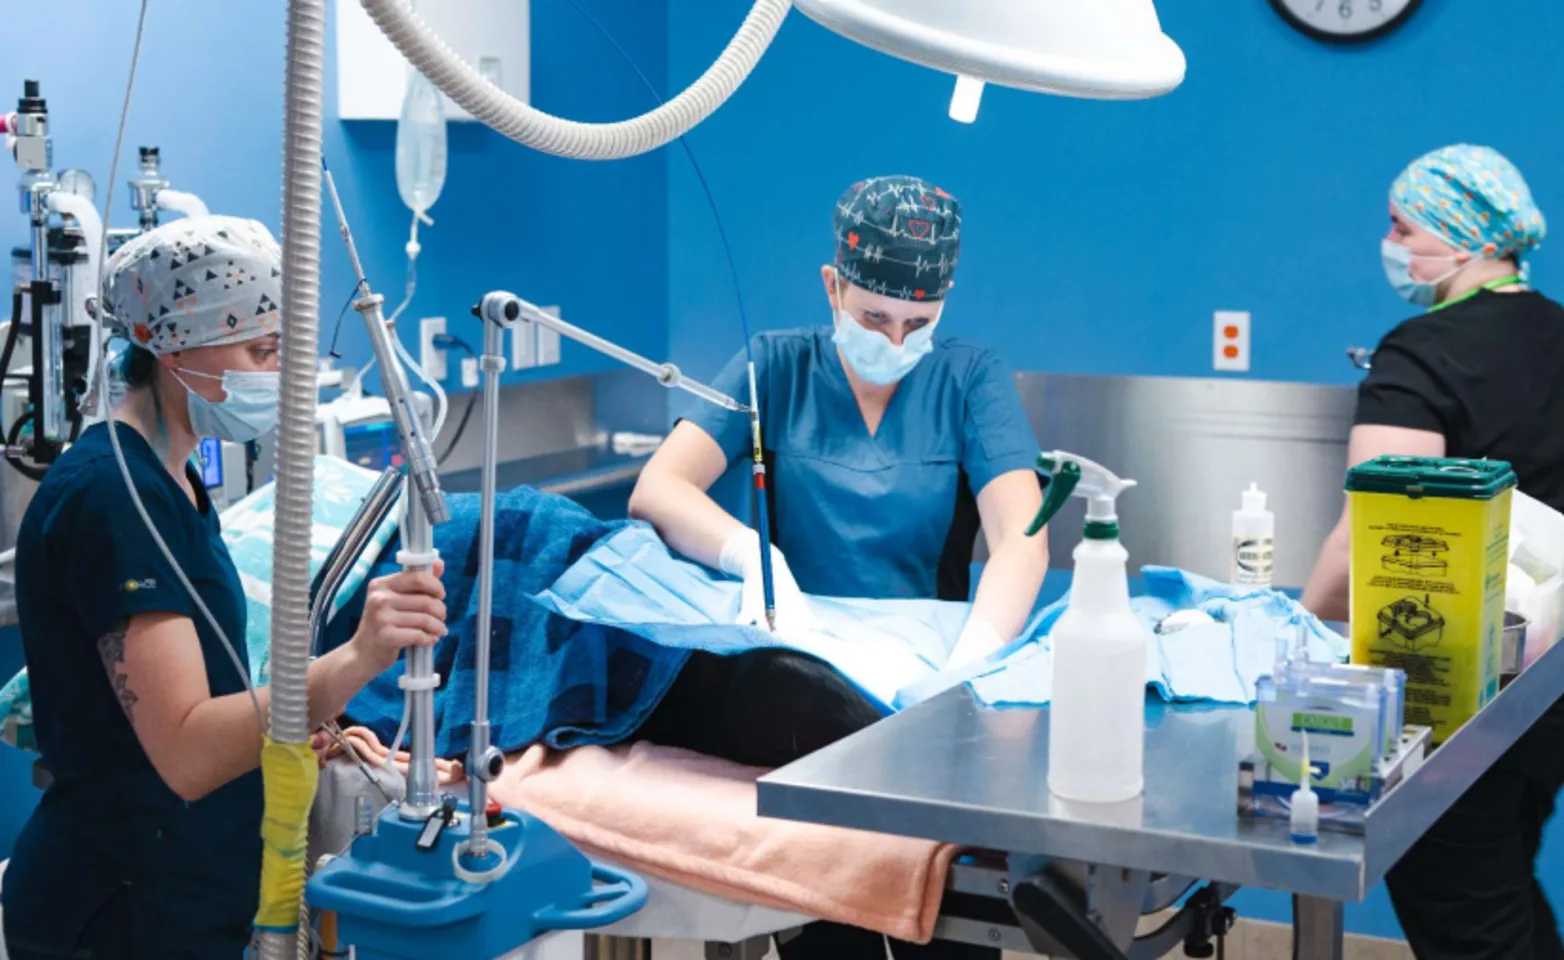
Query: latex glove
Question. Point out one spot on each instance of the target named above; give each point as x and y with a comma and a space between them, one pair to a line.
977, 641
741, 558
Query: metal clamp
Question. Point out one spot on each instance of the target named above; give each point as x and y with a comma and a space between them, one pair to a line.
489, 765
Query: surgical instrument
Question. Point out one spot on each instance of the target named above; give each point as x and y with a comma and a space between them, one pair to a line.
762, 511
425, 507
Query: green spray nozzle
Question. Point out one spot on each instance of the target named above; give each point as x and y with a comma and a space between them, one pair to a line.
1064, 477
1075, 475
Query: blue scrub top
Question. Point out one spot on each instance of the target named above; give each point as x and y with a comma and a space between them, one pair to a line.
861, 515
112, 859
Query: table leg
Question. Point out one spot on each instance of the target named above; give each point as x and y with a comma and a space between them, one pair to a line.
1317, 928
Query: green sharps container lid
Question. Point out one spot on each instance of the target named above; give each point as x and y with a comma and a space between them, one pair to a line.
1432, 477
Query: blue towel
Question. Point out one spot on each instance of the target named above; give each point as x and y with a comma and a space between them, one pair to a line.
895, 650
551, 679
1217, 662
631, 581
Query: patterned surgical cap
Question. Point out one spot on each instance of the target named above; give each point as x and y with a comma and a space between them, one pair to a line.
899, 237
197, 282
1472, 198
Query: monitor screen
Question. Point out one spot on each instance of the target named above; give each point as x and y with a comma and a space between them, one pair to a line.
211, 453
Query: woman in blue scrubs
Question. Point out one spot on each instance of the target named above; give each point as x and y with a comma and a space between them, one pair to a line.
889, 445
889, 448
147, 842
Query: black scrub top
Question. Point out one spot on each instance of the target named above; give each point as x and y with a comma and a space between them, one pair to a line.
1488, 375
112, 861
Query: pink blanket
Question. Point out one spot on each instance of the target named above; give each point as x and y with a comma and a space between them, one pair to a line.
691, 819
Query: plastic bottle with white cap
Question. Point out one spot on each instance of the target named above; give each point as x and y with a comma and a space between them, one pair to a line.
1254, 541
1097, 720
1304, 817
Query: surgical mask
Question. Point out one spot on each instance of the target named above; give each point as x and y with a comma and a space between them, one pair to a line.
872, 355
250, 410
1398, 270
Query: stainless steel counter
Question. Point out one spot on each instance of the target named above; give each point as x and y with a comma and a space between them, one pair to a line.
955, 771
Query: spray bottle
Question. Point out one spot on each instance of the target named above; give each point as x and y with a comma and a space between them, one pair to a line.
1097, 724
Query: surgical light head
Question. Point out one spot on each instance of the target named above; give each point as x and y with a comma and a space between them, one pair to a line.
1104, 49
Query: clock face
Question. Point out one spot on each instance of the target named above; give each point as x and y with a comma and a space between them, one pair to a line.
1346, 21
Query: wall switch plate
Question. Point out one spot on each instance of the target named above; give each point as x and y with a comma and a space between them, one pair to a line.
431, 357
1230, 341
548, 341
469, 372
524, 346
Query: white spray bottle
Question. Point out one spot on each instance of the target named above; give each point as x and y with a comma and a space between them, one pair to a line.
1097, 723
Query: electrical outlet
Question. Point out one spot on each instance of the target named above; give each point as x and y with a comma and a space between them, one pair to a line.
1230, 341
431, 357
469, 372
548, 341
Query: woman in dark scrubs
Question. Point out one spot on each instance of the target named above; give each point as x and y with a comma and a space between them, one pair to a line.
147, 843
1476, 375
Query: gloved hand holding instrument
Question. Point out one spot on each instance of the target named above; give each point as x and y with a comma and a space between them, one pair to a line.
742, 557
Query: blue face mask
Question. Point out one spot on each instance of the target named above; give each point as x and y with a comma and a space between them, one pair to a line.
249, 411
872, 355
1398, 270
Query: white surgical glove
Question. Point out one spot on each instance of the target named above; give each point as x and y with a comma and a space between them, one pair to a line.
977, 641
741, 558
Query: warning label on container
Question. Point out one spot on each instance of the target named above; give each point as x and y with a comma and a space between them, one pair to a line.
1414, 557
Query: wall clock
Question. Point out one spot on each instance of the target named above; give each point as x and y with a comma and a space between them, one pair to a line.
1346, 21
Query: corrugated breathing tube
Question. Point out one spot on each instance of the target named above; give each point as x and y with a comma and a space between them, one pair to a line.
568, 138
287, 762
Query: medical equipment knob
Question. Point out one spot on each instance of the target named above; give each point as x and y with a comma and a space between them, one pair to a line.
490, 764
32, 100
670, 375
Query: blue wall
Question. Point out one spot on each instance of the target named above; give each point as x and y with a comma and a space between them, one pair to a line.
1100, 237
587, 236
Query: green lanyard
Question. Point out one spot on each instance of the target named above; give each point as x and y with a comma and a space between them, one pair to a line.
1485, 288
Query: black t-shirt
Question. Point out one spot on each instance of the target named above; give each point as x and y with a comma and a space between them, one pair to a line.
1487, 374
109, 837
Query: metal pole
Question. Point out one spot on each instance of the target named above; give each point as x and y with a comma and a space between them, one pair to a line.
484, 760
665, 372
1318, 928
423, 797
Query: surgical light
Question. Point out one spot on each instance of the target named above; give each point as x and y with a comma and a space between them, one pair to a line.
1097, 49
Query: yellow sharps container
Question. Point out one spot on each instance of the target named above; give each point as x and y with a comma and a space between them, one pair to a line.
1430, 548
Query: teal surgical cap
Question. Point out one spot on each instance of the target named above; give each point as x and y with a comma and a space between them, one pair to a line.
1472, 198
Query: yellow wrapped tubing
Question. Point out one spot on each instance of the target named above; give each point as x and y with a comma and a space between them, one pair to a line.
291, 773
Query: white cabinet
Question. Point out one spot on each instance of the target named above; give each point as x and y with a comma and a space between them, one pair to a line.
493, 36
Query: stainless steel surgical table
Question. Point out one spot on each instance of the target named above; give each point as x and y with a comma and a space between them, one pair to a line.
1077, 877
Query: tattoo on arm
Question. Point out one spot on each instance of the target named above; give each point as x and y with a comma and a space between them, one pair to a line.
111, 647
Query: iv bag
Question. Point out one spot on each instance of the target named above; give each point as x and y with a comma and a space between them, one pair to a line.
420, 144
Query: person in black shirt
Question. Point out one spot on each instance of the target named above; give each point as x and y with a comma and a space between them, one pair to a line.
1475, 376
